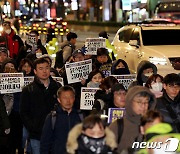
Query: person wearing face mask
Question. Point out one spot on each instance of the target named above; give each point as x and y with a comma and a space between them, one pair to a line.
119, 67
155, 84
13, 42
91, 137
95, 78
144, 70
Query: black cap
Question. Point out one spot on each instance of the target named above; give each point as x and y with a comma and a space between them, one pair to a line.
77, 51
117, 87
104, 34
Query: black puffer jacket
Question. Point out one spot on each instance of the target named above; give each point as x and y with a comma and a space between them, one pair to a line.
36, 102
164, 104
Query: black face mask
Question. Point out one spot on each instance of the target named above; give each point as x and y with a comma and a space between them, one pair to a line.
95, 145
121, 71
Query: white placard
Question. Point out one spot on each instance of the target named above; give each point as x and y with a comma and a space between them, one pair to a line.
125, 80
92, 44
87, 98
11, 82
59, 79
28, 80
78, 70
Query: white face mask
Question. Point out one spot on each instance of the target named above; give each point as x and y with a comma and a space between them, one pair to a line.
38, 54
148, 74
158, 86
8, 31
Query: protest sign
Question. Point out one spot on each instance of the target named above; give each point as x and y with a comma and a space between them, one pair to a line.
59, 79
11, 82
92, 44
78, 70
115, 113
87, 98
106, 69
125, 80
28, 80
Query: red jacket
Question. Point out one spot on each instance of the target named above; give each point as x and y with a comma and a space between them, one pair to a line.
14, 43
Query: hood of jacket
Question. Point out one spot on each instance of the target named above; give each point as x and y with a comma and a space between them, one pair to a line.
142, 66
130, 114
72, 141
115, 63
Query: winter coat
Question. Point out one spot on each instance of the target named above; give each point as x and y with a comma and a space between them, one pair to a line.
52, 46
14, 43
75, 146
102, 102
54, 139
35, 104
141, 67
131, 121
159, 133
68, 49
4, 120
174, 104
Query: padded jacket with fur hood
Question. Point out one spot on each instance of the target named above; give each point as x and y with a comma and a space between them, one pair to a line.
131, 121
74, 147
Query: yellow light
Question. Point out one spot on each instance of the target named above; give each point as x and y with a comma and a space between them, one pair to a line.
56, 29
61, 30
61, 33
39, 28
64, 23
25, 27
56, 33
34, 27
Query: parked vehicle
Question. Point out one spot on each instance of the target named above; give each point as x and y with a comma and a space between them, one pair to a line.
158, 43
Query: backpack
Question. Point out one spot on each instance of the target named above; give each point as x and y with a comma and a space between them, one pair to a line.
59, 57
54, 116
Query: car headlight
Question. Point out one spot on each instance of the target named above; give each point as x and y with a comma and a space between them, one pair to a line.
157, 60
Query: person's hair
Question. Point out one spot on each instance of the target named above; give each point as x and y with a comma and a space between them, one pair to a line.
23, 62
71, 35
65, 88
172, 79
48, 57
93, 73
34, 32
151, 79
102, 51
53, 70
150, 116
145, 94
39, 61
91, 121
8, 60
108, 82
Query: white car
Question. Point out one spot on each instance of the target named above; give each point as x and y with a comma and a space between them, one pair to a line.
157, 43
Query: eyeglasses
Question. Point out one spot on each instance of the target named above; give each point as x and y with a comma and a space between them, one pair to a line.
141, 103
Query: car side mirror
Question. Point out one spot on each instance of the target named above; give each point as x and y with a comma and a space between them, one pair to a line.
134, 43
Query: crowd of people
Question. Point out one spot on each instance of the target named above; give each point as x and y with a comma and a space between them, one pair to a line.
45, 118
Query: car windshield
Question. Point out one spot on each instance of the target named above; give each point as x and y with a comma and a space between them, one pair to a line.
161, 37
